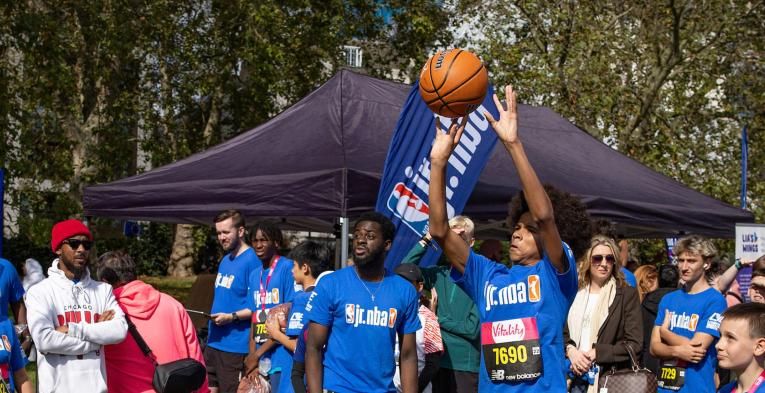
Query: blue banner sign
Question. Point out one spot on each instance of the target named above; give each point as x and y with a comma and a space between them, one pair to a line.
403, 194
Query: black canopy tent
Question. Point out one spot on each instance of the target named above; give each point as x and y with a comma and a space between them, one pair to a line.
322, 159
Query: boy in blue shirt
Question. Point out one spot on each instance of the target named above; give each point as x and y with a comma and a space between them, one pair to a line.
357, 312
310, 259
522, 309
688, 322
12, 362
741, 347
271, 284
229, 328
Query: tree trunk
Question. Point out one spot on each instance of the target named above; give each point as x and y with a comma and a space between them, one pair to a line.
181, 262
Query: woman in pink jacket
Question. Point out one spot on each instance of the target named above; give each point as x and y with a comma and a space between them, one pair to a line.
161, 320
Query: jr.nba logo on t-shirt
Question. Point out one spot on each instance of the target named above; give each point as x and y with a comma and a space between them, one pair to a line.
683, 321
275, 296
223, 280
391, 317
350, 313
514, 293
535, 290
356, 315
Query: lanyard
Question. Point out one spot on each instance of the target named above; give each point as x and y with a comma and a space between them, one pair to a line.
755, 385
274, 261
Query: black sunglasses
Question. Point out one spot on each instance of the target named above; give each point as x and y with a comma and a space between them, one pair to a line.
76, 243
598, 259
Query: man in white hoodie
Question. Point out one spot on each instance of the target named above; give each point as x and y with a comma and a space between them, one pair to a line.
71, 316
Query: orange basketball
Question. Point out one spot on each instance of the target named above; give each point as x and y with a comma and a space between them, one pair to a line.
453, 83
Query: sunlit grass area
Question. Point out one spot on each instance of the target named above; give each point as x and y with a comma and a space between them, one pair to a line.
175, 287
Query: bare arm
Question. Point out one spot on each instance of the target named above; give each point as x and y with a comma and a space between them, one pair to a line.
671, 338
19, 312
658, 348
408, 363
224, 318
23, 384
454, 247
536, 197
727, 278
693, 351
276, 334
314, 370
252, 361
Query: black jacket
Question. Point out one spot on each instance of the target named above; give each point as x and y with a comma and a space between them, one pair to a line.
623, 325
650, 308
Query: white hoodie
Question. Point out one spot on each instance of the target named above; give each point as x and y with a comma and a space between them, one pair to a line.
72, 362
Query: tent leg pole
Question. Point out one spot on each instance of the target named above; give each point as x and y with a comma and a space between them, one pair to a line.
344, 242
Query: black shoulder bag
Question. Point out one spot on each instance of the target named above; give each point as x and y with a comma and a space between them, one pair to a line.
179, 376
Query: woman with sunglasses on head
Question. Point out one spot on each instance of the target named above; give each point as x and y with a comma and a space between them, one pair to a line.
604, 318
521, 308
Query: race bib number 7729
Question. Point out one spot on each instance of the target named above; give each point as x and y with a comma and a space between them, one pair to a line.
511, 350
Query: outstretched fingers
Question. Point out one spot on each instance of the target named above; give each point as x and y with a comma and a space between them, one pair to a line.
512, 106
455, 130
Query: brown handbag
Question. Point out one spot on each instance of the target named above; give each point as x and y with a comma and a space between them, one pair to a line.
634, 380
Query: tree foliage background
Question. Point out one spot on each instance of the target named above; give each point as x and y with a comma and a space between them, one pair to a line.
94, 91
668, 83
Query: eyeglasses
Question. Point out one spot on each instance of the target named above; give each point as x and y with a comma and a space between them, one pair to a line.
757, 287
598, 259
76, 243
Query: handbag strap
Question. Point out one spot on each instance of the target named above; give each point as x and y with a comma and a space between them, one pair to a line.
633, 358
139, 340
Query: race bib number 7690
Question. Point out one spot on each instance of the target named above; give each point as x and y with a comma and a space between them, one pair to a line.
511, 350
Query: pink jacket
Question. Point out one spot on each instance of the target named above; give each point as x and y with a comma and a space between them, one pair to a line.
165, 326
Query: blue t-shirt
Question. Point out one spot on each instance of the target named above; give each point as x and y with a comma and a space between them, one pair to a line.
522, 310
11, 358
232, 287
299, 355
629, 277
280, 288
691, 313
359, 355
729, 388
11, 289
295, 328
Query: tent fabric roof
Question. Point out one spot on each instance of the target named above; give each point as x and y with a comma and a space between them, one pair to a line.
323, 158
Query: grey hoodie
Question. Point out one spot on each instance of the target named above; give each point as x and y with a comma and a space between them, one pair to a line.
72, 362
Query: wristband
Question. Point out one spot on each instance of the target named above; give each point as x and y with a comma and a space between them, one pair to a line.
738, 264
233, 315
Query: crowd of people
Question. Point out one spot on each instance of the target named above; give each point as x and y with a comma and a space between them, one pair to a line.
563, 313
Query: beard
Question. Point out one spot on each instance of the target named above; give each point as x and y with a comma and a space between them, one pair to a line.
233, 246
372, 256
72, 267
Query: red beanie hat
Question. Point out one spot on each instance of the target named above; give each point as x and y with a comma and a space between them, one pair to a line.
65, 229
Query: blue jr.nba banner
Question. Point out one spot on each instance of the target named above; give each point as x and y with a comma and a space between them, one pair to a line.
403, 194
